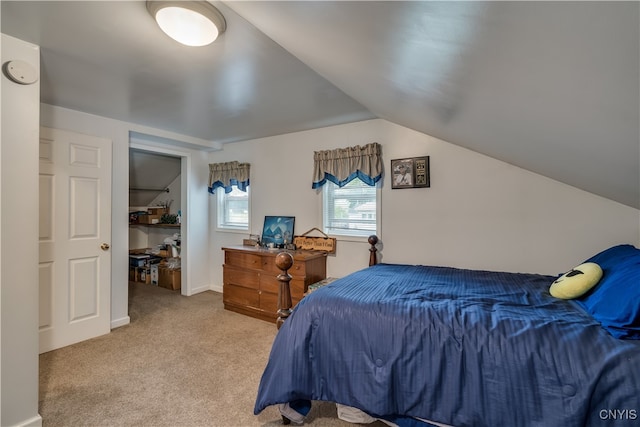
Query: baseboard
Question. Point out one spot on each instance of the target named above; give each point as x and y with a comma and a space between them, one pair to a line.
199, 289
216, 288
120, 322
31, 422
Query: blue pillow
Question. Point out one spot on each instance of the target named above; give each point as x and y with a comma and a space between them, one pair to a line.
615, 301
614, 255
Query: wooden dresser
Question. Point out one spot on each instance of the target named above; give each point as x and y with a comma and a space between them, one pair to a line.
250, 284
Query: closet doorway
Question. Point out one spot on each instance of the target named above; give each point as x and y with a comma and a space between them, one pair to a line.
156, 206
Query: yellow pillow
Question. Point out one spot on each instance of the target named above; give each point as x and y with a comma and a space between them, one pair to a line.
577, 281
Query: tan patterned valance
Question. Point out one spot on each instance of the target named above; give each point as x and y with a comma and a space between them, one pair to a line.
342, 165
228, 174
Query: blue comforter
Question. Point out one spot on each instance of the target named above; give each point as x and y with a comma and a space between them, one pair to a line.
462, 347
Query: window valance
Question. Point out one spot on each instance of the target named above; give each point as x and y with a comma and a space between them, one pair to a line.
342, 165
228, 174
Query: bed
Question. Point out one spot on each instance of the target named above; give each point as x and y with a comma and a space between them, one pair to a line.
415, 345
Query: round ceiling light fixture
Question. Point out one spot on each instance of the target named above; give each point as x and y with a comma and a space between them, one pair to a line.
192, 23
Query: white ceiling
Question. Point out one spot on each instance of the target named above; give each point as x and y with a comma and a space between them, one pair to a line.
553, 87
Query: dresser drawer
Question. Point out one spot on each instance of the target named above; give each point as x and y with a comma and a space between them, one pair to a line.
298, 269
269, 302
239, 277
252, 261
269, 265
240, 296
297, 289
269, 283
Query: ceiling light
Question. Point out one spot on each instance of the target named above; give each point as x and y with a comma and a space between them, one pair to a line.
192, 23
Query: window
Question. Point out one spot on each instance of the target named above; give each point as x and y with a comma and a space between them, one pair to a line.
352, 210
233, 209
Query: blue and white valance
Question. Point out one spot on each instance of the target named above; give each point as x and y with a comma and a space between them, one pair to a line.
228, 174
343, 165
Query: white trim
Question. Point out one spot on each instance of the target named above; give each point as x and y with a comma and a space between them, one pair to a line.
349, 237
232, 230
120, 322
216, 288
225, 229
139, 144
31, 422
199, 289
145, 134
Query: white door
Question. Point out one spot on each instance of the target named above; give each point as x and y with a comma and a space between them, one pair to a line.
75, 234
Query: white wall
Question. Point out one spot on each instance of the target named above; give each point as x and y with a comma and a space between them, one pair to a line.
478, 213
141, 237
19, 241
484, 213
173, 195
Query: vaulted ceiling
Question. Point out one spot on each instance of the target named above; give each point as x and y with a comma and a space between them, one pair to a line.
552, 87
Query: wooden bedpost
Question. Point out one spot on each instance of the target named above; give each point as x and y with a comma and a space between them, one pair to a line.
284, 261
373, 258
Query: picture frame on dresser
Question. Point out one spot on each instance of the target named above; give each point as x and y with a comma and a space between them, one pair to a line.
278, 230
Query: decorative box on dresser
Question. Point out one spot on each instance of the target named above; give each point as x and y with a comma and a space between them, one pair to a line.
250, 283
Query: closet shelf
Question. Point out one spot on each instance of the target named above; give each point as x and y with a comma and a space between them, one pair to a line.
156, 225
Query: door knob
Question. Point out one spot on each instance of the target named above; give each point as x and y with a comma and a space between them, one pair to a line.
104, 246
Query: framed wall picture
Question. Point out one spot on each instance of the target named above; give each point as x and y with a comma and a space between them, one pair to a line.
412, 172
278, 230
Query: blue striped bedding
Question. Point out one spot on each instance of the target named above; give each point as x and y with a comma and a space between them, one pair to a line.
461, 347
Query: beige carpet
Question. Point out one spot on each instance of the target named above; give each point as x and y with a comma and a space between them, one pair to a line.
182, 361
